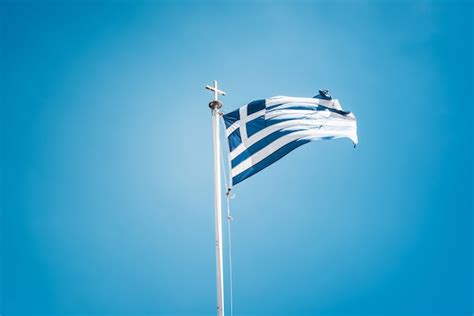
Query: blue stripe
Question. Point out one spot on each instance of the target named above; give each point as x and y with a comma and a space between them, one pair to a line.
234, 139
274, 106
231, 117
255, 106
277, 120
320, 96
294, 107
256, 125
336, 111
278, 154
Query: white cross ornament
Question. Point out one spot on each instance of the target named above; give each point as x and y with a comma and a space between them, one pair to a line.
215, 90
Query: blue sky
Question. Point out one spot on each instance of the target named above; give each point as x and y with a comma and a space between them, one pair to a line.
106, 169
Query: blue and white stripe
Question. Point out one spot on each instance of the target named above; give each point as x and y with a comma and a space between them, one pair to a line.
263, 131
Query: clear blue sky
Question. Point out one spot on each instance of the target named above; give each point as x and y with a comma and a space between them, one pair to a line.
106, 158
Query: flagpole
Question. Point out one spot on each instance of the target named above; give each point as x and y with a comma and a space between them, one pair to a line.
215, 105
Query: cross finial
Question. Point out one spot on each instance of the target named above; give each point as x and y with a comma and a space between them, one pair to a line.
215, 90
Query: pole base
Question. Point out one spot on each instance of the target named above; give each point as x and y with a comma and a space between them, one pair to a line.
216, 104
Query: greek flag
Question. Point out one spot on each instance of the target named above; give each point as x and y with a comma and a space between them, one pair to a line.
263, 131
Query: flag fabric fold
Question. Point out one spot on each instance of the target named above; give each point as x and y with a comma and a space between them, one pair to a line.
263, 131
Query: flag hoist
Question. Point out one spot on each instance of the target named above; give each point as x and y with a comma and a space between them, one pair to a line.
215, 105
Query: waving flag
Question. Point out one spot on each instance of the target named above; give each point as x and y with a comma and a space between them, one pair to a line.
264, 131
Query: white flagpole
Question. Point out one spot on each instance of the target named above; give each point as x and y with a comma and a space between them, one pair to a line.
215, 105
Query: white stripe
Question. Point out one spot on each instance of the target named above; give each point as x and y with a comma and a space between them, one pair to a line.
232, 128
337, 105
328, 103
253, 116
287, 101
287, 115
284, 99
282, 141
321, 123
300, 113
243, 125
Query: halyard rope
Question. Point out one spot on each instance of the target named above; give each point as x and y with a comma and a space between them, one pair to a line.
229, 195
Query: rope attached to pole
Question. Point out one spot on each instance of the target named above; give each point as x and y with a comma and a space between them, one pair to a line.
229, 195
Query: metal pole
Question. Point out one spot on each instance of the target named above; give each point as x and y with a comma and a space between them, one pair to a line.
215, 106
